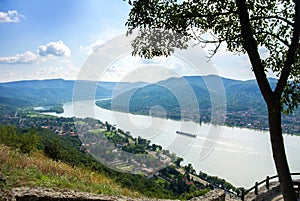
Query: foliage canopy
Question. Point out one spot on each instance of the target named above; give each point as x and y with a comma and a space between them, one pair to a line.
169, 24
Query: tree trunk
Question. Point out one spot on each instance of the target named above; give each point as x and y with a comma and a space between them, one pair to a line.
279, 155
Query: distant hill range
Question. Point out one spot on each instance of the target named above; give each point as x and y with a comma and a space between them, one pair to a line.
172, 98
53, 91
176, 94
180, 97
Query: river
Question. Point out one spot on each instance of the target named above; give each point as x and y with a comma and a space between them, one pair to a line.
239, 155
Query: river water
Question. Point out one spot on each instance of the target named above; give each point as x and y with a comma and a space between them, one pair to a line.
241, 156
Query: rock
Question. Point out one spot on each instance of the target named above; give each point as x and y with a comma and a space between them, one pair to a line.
2, 177
264, 193
2, 180
213, 195
47, 194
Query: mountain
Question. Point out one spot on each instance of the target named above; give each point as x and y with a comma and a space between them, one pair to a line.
58, 90
184, 92
192, 98
189, 97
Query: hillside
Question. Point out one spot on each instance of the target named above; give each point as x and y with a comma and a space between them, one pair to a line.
37, 170
183, 98
179, 98
58, 90
27, 165
240, 95
39, 157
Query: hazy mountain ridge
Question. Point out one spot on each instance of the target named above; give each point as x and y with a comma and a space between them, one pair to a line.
58, 90
186, 97
177, 98
238, 95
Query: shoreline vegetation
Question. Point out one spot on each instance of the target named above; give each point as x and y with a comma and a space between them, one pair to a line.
33, 134
105, 104
57, 108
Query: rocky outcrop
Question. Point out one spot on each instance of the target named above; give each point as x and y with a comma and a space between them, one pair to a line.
46, 194
214, 195
264, 193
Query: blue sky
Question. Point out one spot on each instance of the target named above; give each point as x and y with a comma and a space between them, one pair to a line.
53, 38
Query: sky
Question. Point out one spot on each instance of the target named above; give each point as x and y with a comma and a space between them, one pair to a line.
55, 39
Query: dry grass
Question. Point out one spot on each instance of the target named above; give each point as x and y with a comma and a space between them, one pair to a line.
38, 170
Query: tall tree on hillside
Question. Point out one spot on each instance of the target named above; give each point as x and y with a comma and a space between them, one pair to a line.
245, 27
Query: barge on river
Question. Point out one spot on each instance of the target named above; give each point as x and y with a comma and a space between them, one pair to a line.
186, 134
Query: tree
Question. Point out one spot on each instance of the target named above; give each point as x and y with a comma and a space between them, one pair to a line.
53, 149
108, 126
180, 184
245, 27
178, 161
188, 168
29, 141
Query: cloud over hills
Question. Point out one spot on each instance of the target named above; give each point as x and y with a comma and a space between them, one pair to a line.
56, 49
26, 58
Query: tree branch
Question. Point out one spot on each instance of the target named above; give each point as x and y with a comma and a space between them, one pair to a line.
272, 17
275, 36
291, 53
199, 15
250, 46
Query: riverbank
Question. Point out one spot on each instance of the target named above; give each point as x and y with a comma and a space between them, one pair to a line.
233, 120
230, 152
236, 119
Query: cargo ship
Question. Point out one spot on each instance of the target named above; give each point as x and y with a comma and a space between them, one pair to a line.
186, 134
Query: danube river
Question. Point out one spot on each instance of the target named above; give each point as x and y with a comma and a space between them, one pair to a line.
241, 156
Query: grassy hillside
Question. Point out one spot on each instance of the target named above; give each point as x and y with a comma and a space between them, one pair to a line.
25, 163
37, 170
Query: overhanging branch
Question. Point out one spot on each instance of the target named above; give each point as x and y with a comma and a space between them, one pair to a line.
291, 53
274, 36
272, 17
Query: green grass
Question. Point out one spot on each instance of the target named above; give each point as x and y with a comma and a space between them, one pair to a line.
40, 115
37, 170
126, 167
109, 134
96, 131
160, 181
81, 122
196, 194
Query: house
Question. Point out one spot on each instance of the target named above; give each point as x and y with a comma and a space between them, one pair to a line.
149, 173
73, 134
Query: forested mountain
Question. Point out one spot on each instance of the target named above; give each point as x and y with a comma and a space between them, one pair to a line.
59, 90
238, 95
180, 97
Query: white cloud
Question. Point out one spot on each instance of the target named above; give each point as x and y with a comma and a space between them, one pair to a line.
9, 76
58, 49
63, 69
92, 47
25, 58
105, 35
134, 69
10, 16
